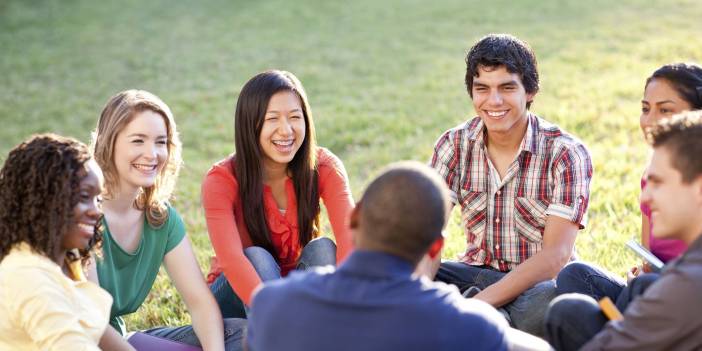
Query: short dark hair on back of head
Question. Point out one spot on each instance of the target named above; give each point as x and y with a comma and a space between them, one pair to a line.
685, 78
681, 135
495, 50
403, 211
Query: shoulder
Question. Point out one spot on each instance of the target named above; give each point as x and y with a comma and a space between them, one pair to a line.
221, 172
174, 217
327, 159
26, 274
686, 271
328, 164
22, 259
552, 137
220, 185
173, 225
463, 131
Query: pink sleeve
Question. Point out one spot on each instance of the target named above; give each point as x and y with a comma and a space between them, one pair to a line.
336, 194
644, 208
219, 193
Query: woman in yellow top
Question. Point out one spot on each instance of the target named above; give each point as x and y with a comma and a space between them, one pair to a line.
49, 190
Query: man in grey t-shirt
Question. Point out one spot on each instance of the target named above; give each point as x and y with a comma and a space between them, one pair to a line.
667, 315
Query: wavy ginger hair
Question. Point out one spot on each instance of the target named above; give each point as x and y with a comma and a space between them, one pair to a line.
117, 113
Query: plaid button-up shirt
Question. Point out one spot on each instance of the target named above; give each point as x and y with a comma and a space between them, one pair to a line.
504, 219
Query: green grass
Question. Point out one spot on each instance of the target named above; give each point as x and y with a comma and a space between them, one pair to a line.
384, 78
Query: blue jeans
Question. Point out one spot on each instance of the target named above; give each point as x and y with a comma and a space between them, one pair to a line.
234, 330
525, 313
583, 278
574, 318
317, 253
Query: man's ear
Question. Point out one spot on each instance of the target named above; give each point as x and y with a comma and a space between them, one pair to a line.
697, 186
435, 248
530, 97
354, 223
355, 216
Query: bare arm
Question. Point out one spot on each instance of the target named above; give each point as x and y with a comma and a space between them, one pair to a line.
558, 242
112, 340
183, 269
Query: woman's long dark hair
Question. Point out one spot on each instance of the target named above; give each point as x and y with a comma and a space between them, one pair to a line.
248, 122
685, 78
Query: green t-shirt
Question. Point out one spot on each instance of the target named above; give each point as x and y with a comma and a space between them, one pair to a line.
128, 277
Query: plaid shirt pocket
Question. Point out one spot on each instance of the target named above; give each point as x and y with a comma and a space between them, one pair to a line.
530, 218
474, 205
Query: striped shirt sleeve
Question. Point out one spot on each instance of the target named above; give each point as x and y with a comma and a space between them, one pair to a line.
572, 173
445, 161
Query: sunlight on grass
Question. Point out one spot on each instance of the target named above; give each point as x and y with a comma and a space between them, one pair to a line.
384, 78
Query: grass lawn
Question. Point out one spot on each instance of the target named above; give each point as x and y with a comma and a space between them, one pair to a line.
384, 78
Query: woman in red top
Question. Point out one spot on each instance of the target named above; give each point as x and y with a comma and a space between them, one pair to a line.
262, 204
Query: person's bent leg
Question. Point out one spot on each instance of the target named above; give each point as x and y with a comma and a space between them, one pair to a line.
572, 320
528, 310
263, 262
234, 330
583, 278
317, 253
465, 276
184, 334
636, 287
229, 303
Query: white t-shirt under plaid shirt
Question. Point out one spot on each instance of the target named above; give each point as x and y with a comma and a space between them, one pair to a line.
504, 219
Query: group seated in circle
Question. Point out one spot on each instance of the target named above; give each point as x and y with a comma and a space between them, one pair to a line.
522, 184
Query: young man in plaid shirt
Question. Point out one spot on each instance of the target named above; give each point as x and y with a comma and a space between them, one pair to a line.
522, 184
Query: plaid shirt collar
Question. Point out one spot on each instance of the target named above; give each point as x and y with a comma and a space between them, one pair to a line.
529, 141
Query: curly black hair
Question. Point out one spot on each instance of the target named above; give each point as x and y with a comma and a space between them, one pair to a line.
495, 50
39, 188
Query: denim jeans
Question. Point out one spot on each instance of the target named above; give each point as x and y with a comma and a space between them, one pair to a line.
583, 278
572, 320
317, 253
525, 313
234, 330
575, 318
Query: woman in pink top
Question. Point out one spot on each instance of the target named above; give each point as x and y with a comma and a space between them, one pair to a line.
671, 89
262, 204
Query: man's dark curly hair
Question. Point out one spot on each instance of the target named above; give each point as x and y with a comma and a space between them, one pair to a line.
495, 50
39, 188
